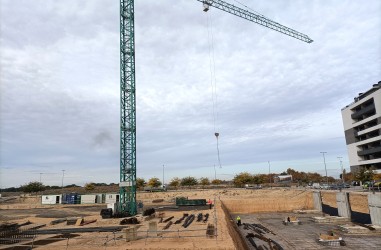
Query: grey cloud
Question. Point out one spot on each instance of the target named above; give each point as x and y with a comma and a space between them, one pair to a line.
278, 99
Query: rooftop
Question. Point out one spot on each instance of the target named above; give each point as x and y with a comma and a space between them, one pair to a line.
360, 96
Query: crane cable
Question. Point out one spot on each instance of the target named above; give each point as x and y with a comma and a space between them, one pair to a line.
213, 79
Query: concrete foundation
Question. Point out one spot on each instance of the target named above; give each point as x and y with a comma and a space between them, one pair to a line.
130, 233
374, 201
330, 219
152, 228
317, 201
343, 207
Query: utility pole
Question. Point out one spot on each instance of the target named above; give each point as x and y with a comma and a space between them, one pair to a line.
269, 175
342, 170
63, 175
325, 166
40, 177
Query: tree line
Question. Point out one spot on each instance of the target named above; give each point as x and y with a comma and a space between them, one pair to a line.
239, 180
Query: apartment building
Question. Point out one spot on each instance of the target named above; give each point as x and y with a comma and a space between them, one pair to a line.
362, 127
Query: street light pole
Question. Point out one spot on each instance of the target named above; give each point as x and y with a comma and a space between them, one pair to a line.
63, 175
163, 176
325, 166
269, 175
342, 170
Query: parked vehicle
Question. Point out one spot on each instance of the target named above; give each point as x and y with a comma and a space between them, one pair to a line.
366, 184
316, 185
355, 183
377, 184
346, 185
250, 186
324, 186
343, 185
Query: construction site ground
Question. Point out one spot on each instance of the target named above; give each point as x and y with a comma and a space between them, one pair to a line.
266, 207
305, 235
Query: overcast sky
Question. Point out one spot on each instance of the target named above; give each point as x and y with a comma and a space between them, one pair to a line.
278, 99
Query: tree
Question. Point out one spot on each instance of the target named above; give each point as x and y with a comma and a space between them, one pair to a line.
204, 181
175, 182
243, 178
330, 179
140, 182
364, 174
216, 182
32, 187
89, 186
259, 179
377, 177
188, 181
154, 182
314, 177
291, 171
71, 186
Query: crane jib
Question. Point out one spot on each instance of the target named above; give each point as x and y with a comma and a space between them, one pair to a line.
259, 19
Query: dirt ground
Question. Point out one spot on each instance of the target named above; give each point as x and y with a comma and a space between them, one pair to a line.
244, 201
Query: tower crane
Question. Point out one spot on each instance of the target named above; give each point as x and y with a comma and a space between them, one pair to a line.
127, 183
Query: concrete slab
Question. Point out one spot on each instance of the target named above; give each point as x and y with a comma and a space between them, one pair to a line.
330, 219
306, 235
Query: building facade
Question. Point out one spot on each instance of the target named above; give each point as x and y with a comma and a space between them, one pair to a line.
362, 126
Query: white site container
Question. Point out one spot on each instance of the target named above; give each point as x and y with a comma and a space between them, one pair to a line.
114, 207
88, 199
112, 198
100, 198
51, 199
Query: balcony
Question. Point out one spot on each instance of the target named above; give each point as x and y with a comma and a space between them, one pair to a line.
363, 111
369, 151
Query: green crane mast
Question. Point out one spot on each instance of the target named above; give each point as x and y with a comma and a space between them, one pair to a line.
127, 198
128, 94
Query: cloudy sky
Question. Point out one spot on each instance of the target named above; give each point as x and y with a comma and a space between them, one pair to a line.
278, 99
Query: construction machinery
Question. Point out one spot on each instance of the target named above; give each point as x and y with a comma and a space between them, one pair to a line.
128, 92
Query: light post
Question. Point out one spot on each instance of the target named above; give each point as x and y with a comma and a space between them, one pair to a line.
163, 176
325, 166
269, 175
342, 170
63, 175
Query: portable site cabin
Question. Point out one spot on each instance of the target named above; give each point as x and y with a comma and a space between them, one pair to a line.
51, 199
112, 198
100, 198
92, 198
283, 179
88, 199
72, 198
